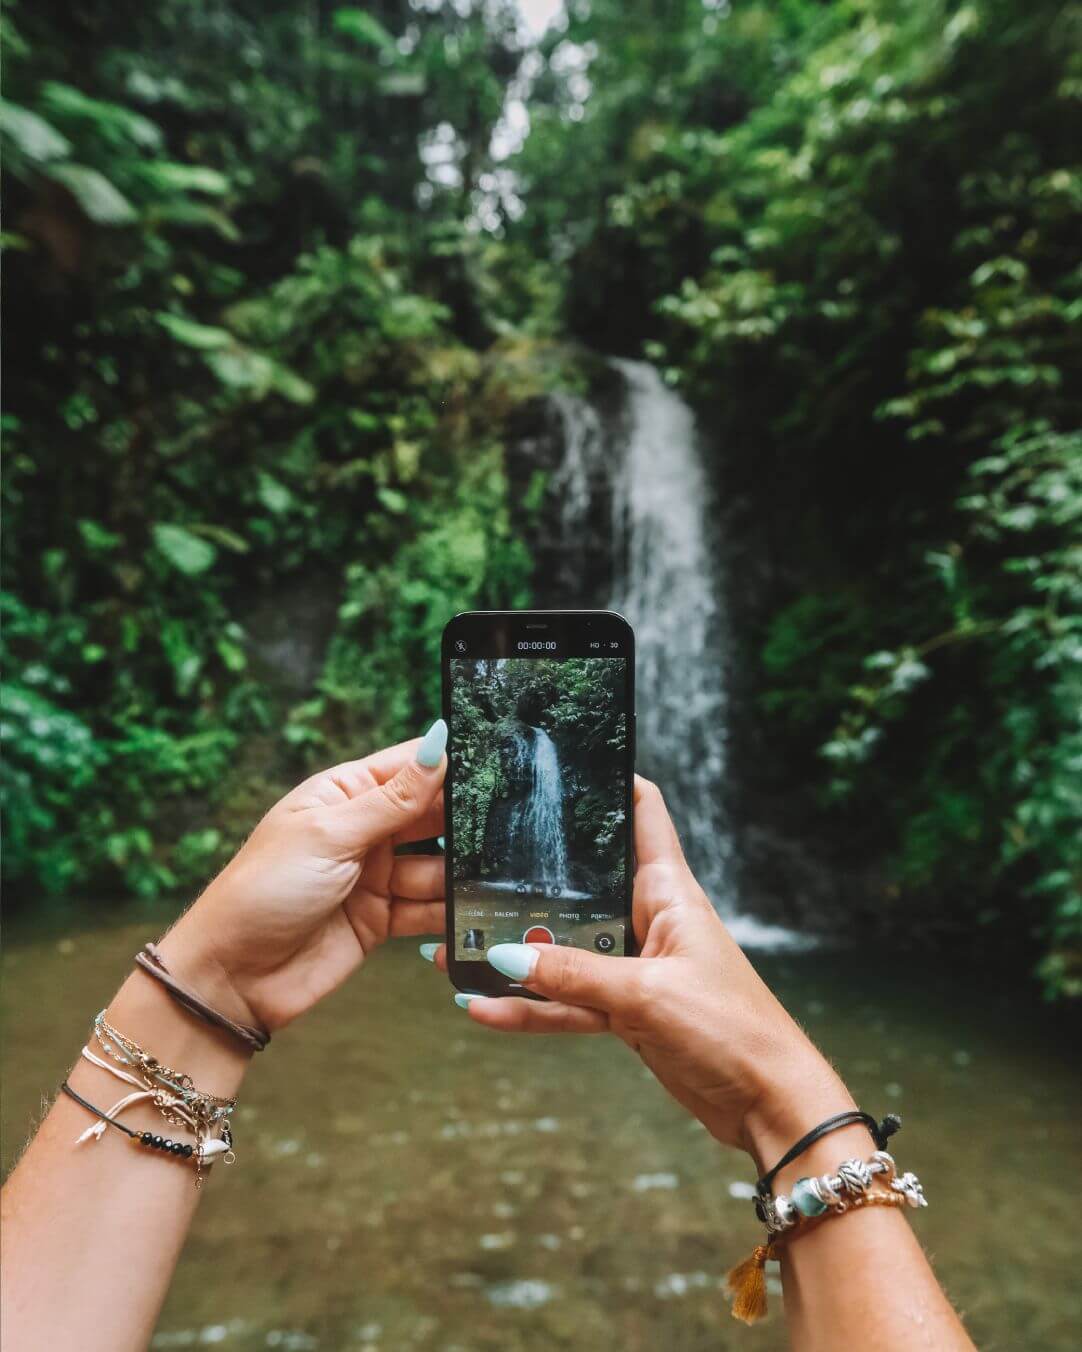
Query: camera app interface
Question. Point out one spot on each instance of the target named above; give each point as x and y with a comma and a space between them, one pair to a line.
539, 749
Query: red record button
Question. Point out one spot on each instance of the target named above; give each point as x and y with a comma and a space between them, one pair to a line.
539, 934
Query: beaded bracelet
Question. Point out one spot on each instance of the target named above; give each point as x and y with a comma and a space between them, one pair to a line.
811, 1197
146, 1138
812, 1201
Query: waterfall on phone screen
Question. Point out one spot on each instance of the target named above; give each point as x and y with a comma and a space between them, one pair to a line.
542, 815
667, 583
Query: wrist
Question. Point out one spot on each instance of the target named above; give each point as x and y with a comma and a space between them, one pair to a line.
195, 960
802, 1091
145, 1012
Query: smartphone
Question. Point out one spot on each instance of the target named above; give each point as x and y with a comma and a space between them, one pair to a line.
540, 707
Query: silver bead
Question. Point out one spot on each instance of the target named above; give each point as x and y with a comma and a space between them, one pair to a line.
826, 1189
785, 1214
886, 1164
855, 1177
910, 1187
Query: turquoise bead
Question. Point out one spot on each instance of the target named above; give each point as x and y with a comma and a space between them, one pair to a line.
805, 1200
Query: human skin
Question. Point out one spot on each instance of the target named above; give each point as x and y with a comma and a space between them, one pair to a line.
92, 1233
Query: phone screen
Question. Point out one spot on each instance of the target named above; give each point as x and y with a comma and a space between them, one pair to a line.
540, 712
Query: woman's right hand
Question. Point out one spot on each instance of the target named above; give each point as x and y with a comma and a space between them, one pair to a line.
691, 1005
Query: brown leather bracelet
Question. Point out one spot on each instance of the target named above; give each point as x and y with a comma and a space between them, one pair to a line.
152, 962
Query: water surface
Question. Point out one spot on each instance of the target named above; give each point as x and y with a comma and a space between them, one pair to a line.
408, 1181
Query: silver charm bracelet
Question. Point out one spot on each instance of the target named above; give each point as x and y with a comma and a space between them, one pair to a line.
811, 1197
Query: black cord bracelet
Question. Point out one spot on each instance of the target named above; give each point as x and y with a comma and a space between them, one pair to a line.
146, 1138
881, 1133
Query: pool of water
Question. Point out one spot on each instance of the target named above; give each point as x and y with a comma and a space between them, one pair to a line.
406, 1180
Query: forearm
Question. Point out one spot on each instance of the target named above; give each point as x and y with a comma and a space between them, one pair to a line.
92, 1232
860, 1279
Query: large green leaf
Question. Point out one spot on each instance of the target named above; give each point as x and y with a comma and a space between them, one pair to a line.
100, 201
274, 495
186, 552
113, 122
201, 336
167, 176
184, 212
242, 369
363, 27
31, 134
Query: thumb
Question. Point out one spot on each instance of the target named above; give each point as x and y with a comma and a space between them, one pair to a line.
573, 976
387, 809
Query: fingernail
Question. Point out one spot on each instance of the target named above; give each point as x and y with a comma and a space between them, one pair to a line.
440, 842
514, 960
429, 951
432, 745
464, 1001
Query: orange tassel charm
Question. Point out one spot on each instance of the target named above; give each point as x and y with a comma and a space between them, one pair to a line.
747, 1285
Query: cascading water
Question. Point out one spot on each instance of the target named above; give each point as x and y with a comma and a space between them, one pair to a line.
542, 816
667, 583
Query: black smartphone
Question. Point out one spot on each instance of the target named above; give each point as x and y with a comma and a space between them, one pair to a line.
540, 707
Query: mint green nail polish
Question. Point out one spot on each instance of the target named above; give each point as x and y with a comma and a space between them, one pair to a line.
429, 951
432, 745
464, 1001
513, 960
440, 842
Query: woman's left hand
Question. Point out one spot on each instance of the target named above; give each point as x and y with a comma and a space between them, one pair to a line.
317, 886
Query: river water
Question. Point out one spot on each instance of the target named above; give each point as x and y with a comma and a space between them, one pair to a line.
406, 1180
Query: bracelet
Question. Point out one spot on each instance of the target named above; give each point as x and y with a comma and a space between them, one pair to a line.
151, 961
206, 1149
146, 1138
812, 1201
881, 1133
204, 1106
172, 1092
812, 1197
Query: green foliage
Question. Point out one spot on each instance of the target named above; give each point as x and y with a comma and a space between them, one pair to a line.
234, 370
885, 209
857, 228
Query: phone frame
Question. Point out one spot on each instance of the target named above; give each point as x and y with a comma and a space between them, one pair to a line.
496, 633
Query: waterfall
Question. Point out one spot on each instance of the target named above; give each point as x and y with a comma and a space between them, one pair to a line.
667, 574
543, 819
667, 583
537, 828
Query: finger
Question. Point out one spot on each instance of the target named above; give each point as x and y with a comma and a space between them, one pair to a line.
656, 840
417, 877
410, 918
570, 975
358, 776
401, 801
508, 1015
436, 954
426, 827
